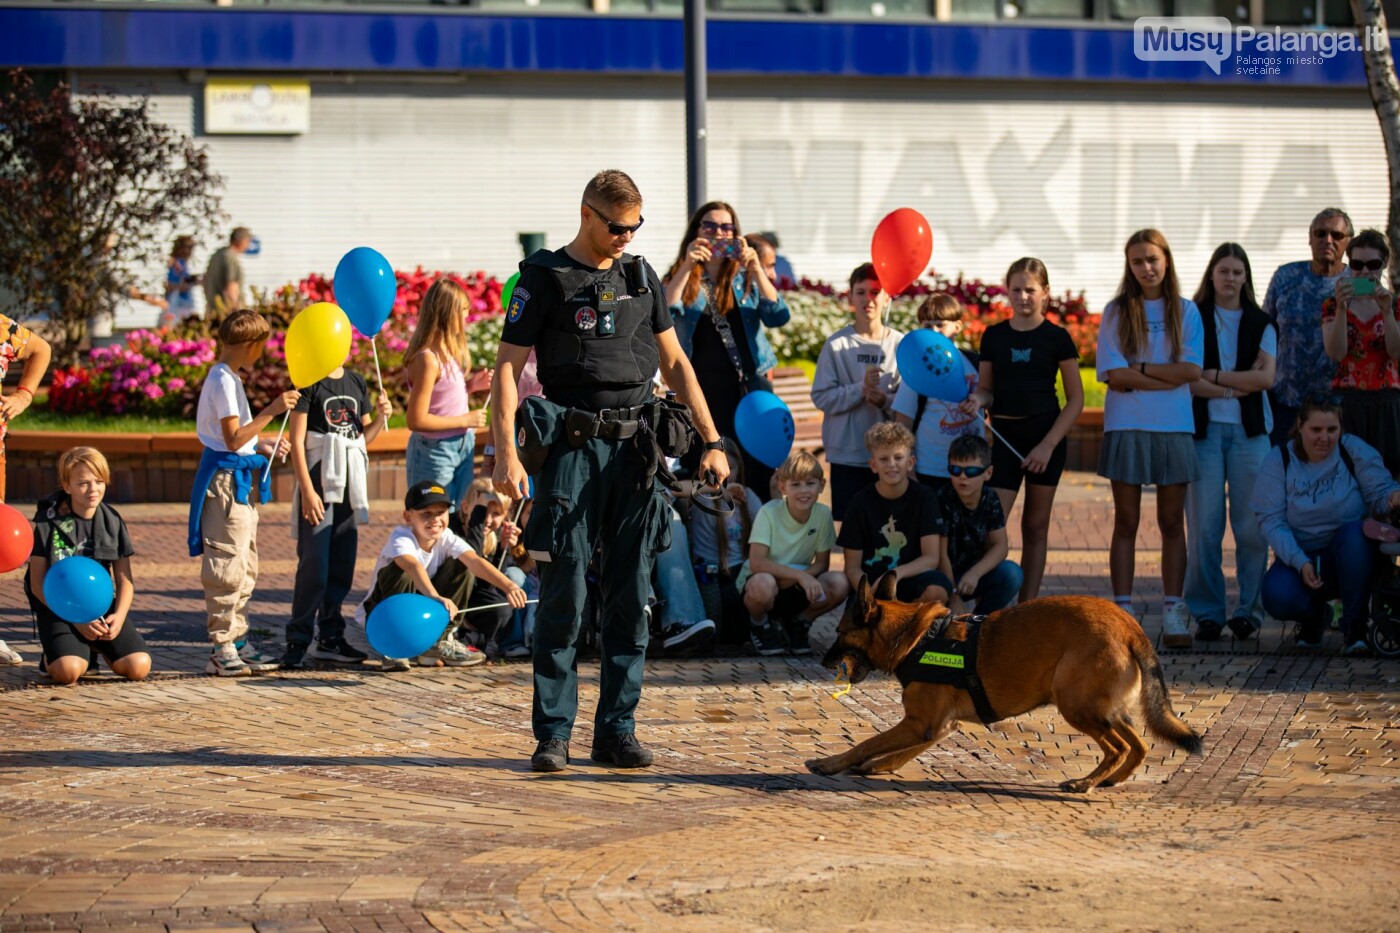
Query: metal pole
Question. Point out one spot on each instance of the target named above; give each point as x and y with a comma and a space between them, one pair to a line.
696, 85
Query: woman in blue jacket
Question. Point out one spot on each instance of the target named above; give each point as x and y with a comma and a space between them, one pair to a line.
1312, 496
721, 299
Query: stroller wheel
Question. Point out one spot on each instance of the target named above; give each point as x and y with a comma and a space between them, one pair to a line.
1383, 633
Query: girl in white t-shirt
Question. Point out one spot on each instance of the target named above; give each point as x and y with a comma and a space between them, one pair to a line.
1233, 421
1149, 352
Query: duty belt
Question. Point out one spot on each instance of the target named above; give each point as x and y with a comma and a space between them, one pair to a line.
611, 424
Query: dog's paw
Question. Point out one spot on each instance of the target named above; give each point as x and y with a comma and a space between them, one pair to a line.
827, 766
1081, 786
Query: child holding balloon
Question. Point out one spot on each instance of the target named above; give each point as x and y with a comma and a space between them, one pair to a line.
854, 384
75, 522
1151, 346
443, 442
1021, 358
223, 524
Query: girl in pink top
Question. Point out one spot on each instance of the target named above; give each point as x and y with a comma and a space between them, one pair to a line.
444, 428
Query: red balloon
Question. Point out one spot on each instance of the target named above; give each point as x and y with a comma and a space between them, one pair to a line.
901, 248
16, 538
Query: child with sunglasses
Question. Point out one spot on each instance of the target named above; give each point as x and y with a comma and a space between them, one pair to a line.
975, 545
1360, 333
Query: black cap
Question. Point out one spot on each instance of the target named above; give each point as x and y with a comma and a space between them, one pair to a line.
423, 494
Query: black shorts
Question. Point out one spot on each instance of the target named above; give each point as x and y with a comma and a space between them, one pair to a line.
61, 640
846, 481
911, 588
790, 603
1024, 434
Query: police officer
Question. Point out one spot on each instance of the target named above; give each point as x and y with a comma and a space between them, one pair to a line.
598, 320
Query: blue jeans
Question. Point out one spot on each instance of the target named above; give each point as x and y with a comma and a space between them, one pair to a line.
675, 580
998, 587
521, 629
1346, 573
446, 461
1226, 458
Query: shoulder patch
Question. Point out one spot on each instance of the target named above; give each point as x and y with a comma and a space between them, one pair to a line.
517, 304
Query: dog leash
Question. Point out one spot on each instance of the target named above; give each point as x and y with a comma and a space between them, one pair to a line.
717, 503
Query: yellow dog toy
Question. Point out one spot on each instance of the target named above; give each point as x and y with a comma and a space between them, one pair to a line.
842, 677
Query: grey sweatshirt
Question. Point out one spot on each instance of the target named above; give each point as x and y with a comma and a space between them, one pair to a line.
1318, 498
838, 389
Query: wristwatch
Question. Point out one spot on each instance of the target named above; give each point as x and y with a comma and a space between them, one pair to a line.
715, 445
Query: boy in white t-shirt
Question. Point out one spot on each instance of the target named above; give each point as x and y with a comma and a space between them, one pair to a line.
223, 522
787, 581
424, 556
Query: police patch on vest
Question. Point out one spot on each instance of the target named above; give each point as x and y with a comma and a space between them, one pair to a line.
517, 305
937, 659
586, 319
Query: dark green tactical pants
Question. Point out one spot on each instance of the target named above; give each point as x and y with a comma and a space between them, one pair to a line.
584, 497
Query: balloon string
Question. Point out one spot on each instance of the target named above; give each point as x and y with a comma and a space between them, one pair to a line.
462, 612
278, 443
374, 346
514, 520
988, 422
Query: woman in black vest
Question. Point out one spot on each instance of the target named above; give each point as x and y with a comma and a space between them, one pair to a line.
1233, 423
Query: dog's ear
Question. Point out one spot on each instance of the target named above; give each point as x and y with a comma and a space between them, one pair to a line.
864, 596
887, 586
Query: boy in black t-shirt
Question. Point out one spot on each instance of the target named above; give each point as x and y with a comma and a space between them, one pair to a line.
331, 425
74, 522
975, 547
894, 525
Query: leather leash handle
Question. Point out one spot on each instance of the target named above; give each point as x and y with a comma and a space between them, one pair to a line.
717, 503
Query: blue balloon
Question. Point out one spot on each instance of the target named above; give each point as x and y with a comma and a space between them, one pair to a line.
406, 625
78, 589
365, 289
765, 427
931, 365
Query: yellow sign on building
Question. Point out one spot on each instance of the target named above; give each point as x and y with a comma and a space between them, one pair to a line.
263, 107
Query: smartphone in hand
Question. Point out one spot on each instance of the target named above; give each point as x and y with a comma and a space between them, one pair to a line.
727, 248
1363, 286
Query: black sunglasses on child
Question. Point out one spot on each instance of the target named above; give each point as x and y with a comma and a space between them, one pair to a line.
616, 229
968, 471
1367, 265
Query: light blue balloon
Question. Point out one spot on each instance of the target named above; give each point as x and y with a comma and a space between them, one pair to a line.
765, 427
78, 589
406, 625
931, 365
365, 289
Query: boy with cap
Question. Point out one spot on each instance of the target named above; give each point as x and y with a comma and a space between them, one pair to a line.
424, 556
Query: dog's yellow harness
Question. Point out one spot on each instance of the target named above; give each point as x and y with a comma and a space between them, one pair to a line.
938, 659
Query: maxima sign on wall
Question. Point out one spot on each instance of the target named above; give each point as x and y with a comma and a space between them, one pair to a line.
268, 108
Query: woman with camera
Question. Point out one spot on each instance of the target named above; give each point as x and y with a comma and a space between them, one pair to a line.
721, 300
1359, 331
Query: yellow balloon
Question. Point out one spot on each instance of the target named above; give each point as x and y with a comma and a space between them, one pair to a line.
318, 341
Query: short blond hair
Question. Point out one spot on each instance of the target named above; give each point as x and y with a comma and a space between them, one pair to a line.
800, 465
244, 326
888, 434
90, 457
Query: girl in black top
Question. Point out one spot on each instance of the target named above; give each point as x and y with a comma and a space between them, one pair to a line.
1020, 359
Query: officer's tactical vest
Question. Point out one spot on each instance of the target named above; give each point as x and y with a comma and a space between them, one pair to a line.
598, 334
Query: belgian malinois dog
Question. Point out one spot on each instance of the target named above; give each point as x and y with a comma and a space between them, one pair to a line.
1085, 655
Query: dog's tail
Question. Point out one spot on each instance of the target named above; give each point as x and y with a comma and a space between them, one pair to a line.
1162, 720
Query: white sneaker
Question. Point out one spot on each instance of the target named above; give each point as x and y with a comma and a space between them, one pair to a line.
9, 655
257, 661
1176, 626
394, 664
452, 653
225, 662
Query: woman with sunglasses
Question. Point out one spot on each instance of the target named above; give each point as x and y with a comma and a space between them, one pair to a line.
1233, 422
1312, 497
721, 300
1359, 332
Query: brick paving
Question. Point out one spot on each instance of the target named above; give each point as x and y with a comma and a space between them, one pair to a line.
349, 801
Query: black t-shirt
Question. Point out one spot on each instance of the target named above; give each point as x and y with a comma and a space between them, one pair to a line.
1024, 364
336, 405
538, 294
967, 530
68, 535
887, 532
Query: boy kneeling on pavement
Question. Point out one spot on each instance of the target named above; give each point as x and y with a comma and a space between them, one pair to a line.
424, 556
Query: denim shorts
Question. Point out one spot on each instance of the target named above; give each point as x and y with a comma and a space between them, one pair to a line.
446, 461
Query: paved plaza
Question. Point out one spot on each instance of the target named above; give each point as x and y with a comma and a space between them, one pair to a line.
348, 800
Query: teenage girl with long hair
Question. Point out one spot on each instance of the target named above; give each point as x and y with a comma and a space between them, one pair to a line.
1149, 352
444, 427
1020, 359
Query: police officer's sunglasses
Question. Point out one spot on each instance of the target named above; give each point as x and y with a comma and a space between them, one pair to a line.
613, 228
